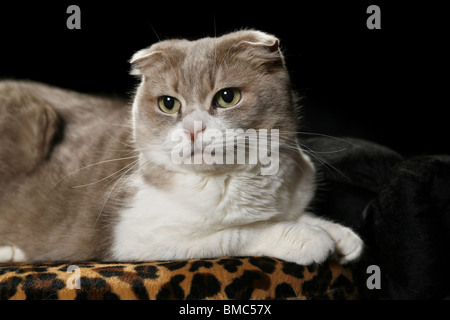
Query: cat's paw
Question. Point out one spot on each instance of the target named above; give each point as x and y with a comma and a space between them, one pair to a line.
11, 254
349, 245
314, 246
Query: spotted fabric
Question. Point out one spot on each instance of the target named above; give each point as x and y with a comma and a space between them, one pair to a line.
221, 278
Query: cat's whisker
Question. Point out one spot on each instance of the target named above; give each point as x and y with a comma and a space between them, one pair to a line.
291, 144
105, 178
115, 125
214, 65
153, 29
111, 191
292, 160
316, 154
321, 135
325, 163
137, 167
121, 142
133, 174
90, 166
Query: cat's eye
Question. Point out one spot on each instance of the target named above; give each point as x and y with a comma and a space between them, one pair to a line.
169, 104
227, 98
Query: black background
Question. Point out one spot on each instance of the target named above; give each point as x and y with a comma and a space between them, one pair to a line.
388, 85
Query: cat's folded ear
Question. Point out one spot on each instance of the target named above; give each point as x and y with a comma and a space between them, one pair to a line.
260, 46
260, 40
143, 58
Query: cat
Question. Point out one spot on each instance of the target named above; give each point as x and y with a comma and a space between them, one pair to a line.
85, 177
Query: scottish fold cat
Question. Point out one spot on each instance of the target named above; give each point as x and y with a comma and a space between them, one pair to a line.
204, 163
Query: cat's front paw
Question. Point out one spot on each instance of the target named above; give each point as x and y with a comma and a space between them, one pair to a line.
314, 245
349, 245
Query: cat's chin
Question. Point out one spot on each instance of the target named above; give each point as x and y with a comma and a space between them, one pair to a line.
195, 165
215, 168
208, 169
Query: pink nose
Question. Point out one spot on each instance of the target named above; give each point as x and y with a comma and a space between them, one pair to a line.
194, 128
194, 134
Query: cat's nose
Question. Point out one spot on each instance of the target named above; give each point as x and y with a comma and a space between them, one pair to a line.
195, 132
194, 127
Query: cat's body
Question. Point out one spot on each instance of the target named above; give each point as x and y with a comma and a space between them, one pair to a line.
100, 181
47, 207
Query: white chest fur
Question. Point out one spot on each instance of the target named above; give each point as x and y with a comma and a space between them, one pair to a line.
202, 216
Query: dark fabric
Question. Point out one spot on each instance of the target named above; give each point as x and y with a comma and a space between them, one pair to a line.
400, 207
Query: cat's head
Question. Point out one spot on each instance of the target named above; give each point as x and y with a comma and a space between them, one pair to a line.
193, 91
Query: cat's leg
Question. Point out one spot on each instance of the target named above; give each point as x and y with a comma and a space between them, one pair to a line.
297, 242
349, 245
305, 241
11, 254
28, 125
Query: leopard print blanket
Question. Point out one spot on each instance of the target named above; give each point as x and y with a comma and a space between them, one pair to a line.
222, 278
